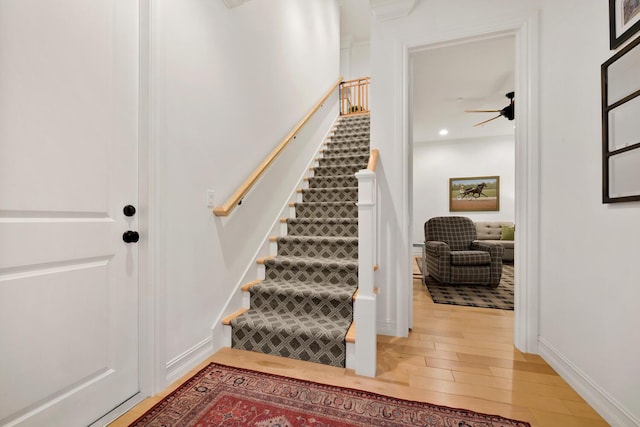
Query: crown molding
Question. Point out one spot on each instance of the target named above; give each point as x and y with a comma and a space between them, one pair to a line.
386, 10
233, 3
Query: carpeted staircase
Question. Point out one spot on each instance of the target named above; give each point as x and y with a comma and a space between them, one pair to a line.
304, 306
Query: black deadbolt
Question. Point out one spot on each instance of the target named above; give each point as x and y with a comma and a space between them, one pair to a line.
130, 236
129, 210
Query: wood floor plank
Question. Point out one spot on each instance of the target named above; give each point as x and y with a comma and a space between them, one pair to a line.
552, 418
531, 400
534, 377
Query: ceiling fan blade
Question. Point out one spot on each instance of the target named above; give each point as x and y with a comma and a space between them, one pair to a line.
481, 111
487, 121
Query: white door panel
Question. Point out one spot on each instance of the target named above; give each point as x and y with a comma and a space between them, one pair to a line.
51, 241
68, 165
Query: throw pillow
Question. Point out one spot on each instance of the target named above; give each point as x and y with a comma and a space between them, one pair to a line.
508, 233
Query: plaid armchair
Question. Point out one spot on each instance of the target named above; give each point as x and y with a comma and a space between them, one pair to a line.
453, 255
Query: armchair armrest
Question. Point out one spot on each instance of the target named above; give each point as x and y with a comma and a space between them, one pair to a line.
436, 248
494, 249
437, 260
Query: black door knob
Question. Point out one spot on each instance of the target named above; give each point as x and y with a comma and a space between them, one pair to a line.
130, 236
129, 210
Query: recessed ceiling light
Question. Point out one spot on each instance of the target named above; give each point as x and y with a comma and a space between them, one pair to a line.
443, 132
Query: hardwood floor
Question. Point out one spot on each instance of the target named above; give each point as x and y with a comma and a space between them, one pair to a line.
455, 356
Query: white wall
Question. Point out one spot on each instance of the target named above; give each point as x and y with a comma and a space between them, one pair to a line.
360, 60
228, 85
588, 287
355, 59
435, 162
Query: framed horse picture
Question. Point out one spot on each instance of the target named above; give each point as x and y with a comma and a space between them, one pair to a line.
479, 193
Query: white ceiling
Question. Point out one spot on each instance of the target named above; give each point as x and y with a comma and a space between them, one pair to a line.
470, 76
355, 21
448, 80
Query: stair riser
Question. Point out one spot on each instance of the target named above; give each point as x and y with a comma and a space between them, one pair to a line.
352, 128
333, 182
349, 139
301, 347
332, 274
339, 161
338, 152
330, 230
350, 135
348, 145
329, 195
343, 210
303, 305
338, 170
343, 250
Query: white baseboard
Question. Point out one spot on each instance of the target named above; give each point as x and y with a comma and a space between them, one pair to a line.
350, 362
608, 408
119, 411
188, 360
387, 328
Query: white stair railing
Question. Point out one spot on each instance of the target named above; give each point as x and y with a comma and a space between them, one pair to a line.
365, 303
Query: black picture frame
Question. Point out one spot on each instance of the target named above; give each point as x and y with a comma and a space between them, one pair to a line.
620, 126
619, 31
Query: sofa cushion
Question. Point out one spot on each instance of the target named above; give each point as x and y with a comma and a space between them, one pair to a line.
508, 233
490, 230
470, 258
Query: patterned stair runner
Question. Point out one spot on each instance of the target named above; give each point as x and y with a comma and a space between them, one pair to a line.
304, 307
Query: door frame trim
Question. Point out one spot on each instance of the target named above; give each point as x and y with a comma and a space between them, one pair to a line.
527, 166
152, 371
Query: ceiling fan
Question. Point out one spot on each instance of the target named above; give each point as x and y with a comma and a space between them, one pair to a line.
508, 111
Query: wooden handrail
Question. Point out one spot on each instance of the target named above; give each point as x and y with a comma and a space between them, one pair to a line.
235, 198
361, 79
373, 160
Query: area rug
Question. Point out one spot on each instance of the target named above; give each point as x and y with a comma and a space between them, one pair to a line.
221, 395
473, 295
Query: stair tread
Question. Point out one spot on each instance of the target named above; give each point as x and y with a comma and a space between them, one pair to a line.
314, 325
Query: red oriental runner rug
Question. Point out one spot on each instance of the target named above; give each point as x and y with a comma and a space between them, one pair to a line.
221, 395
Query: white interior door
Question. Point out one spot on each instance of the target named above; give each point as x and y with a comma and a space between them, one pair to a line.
68, 166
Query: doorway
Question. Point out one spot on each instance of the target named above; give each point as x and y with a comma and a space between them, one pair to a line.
526, 185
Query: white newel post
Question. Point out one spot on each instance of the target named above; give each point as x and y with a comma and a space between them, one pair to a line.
365, 303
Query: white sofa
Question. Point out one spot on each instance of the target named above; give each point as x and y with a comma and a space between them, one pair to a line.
491, 231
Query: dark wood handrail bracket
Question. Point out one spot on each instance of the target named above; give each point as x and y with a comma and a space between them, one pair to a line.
237, 196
